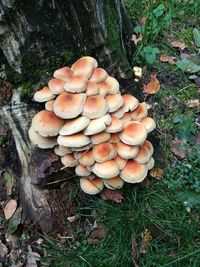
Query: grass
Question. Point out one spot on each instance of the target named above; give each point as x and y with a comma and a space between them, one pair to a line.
169, 212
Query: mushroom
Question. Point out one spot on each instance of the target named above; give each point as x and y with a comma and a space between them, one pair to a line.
120, 162
74, 140
95, 107
98, 75
106, 170
41, 141
81, 170
103, 152
140, 112
100, 138
63, 74
133, 172
92, 89
56, 86
74, 125
43, 95
49, 105
114, 183
115, 126
126, 151
86, 158
97, 125
77, 84
62, 150
91, 187
150, 163
84, 66
148, 123
69, 160
114, 102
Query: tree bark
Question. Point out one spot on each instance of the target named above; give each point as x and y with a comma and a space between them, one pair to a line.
30, 33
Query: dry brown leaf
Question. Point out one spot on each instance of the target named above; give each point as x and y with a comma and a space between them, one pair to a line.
142, 20
108, 194
146, 238
157, 173
153, 86
135, 254
97, 233
179, 149
164, 58
193, 103
10, 208
136, 38
179, 44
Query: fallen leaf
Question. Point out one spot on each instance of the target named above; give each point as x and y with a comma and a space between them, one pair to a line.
32, 258
146, 238
142, 20
179, 149
193, 103
136, 38
108, 194
97, 233
179, 44
157, 173
134, 252
164, 58
153, 86
10, 208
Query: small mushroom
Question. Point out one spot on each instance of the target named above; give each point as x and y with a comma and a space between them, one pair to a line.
103, 152
113, 183
106, 170
43, 95
91, 187
63, 74
56, 86
133, 172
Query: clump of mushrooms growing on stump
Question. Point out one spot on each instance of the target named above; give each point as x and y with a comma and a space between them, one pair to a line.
94, 128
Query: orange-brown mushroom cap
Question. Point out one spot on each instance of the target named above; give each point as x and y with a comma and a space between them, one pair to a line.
106, 170
150, 163
81, 170
86, 158
113, 183
77, 84
127, 151
97, 125
140, 112
95, 107
92, 89
149, 146
84, 66
120, 162
91, 187
98, 75
103, 152
148, 123
64, 74
115, 126
133, 172
134, 133
100, 138
46, 123
69, 106
114, 102
43, 95
56, 86
130, 102
143, 156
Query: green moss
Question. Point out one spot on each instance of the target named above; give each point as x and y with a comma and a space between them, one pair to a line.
2, 140
25, 90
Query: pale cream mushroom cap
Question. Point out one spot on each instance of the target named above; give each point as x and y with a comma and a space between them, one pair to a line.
81, 170
82, 148
62, 150
56, 86
134, 133
140, 112
103, 152
84, 66
113, 85
92, 89
148, 123
120, 162
114, 102
127, 151
149, 146
91, 187
46, 123
49, 105
69, 160
74, 125
97, 125
133, 172
144, 155
150, 163
43, 95
95, 107
104, 88
86, 158
113, 183
41, 141
75, 140
100, 138
64, 74
130, 102
115, 126
68, 105
77, 84
106, 170
119, 113
98, 75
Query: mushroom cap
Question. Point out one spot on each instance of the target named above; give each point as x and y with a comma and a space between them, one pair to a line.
103, 152
98, 75
144, 155
64, 74
69, 160
84, 66
140, 112
150, 163
46, 123
148, 123
100, 138
113, 85
104, 88
43, 95
92, 89
130, 102
95, 107
62, 150
113, 183
86, 158
41, 141
106, 170
149, 146
114, 102
134, 133
56, 86
115, 126
74, 125
69, 106
126, 151
115, 150
126, 118
75, 140
119, 113
77, 84
120, 162
91, 187
82, 148
81, 170
114, 138
49, 105
133, 172
97, 125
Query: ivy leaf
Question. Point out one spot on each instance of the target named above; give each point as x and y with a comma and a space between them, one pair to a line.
149, 53
159, 10
15, 221
187, 65
196, 36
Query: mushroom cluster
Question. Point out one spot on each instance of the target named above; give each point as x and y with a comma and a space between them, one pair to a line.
94, 128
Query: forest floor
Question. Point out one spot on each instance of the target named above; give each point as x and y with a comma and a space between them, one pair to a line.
158, 222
